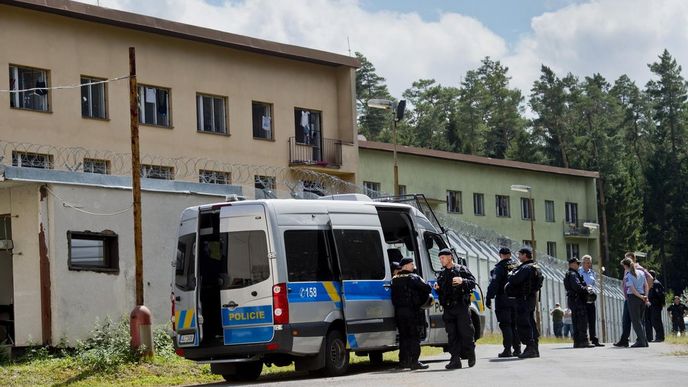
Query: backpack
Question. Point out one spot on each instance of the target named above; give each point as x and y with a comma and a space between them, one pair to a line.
538, 280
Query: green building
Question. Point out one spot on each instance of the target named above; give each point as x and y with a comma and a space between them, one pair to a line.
485, 192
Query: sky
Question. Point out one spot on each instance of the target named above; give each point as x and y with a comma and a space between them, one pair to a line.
407, 40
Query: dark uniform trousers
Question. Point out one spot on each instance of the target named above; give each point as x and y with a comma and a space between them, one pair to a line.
591, 316
525, 319
579, 320
505, 311
460, 331
409, 335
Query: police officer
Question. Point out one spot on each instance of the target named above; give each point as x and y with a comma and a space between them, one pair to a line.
504, 307
522, 287
577, 293
409, 292
454, 287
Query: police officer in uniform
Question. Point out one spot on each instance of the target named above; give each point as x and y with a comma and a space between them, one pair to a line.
504, 307
522, 288
577, 293
409, 293
454, 287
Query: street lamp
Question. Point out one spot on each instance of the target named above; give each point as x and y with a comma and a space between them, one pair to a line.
595, 226
398, 113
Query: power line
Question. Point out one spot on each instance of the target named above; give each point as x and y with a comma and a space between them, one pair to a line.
65, 87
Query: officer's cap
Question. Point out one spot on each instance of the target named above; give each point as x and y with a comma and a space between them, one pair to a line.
395, 266
526, 250
445, 251
405, 261
505, 251
574, 259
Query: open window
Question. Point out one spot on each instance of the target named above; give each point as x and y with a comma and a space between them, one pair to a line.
434, 243
400, 235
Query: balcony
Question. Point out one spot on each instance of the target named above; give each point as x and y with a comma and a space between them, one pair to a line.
325, 154
577, 230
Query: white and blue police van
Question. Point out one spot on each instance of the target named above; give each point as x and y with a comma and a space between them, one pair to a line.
271, 282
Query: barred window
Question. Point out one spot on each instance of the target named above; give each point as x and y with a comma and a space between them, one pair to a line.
157, 172
32, 160
214, 177
97, 166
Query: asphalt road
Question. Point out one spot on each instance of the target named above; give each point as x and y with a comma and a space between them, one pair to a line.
558, 365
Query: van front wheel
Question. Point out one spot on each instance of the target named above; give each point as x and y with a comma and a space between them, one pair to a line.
246, 372
336, 355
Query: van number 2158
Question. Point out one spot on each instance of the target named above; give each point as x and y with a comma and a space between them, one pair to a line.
310, 292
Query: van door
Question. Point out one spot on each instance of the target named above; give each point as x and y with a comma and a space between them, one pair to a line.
246, 295
184, 292
366, 293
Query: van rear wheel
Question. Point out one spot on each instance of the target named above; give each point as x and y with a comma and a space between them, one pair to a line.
245, 372
336, 355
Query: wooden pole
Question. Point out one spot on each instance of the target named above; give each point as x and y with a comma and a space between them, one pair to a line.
136, 174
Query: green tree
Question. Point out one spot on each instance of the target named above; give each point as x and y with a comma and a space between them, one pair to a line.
432, 109
369, 85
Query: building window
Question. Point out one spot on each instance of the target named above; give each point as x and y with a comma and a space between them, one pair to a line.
211, 114
372, 189
454, 202
262, 120
93, 251
527, 242
214, 177
313, 187
479, 204
526, 209
157, 172
32, 160
265, 185
572, 250
552, 249
402, 190
97, 166
571, 212
93, 98
154, 105
502, 204
35, 82
549, 211
308, 126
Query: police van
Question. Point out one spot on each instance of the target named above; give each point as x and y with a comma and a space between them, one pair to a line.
305, 281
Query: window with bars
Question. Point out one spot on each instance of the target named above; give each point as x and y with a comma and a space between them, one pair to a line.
93, 98
549, 211
211, 114
157, 172
97, 166
479, 204
502, 205
32, 160
454, 202
214, 177
35, 81
154, 106
372, 188
262, 120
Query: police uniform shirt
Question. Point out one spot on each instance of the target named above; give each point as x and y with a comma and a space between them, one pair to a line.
518, 282
409, 290
447, 292
677, 311
498, 277
575, 285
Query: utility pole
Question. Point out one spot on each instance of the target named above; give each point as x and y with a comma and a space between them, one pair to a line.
140, 318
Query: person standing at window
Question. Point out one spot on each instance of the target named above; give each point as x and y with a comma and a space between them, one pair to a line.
636, 295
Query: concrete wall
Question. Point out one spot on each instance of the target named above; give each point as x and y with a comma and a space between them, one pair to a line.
433, 177
69, 48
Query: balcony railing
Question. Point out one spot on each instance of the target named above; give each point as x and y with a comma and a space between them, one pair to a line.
325, 153
576, 229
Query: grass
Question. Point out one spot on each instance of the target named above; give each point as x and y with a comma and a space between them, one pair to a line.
681, 341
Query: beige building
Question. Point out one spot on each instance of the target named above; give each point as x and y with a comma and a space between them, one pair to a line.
219, 114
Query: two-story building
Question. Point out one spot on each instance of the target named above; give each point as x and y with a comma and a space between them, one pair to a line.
218, 114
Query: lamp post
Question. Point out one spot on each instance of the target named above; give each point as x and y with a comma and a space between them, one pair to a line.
397, 114
529, 190
595, 226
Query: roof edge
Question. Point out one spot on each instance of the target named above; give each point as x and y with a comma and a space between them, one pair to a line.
165, 27
381, 146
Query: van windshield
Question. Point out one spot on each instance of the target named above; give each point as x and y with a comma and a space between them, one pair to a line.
247, 259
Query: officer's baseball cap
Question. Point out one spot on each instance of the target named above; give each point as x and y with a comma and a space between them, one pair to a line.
526, 250
504, 250
395, 266
405, 261
445, 251
574, 259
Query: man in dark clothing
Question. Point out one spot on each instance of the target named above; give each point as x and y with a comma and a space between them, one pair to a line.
656, 297
576, 295
504, 307
677, 310
454, 286
522, 286
409, 292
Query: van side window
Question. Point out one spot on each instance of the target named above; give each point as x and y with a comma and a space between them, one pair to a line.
307, 256
185, 264
434, 244
360, 254
247, 258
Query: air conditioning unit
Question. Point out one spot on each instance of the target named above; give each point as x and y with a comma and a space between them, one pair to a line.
6, 244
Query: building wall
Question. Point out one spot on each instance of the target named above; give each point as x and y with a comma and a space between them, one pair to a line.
69, 48
433, 177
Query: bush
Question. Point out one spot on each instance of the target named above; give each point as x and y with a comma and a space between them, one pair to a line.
162, 342
107, 347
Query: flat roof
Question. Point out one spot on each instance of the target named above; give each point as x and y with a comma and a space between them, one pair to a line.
423, 152
158, 26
